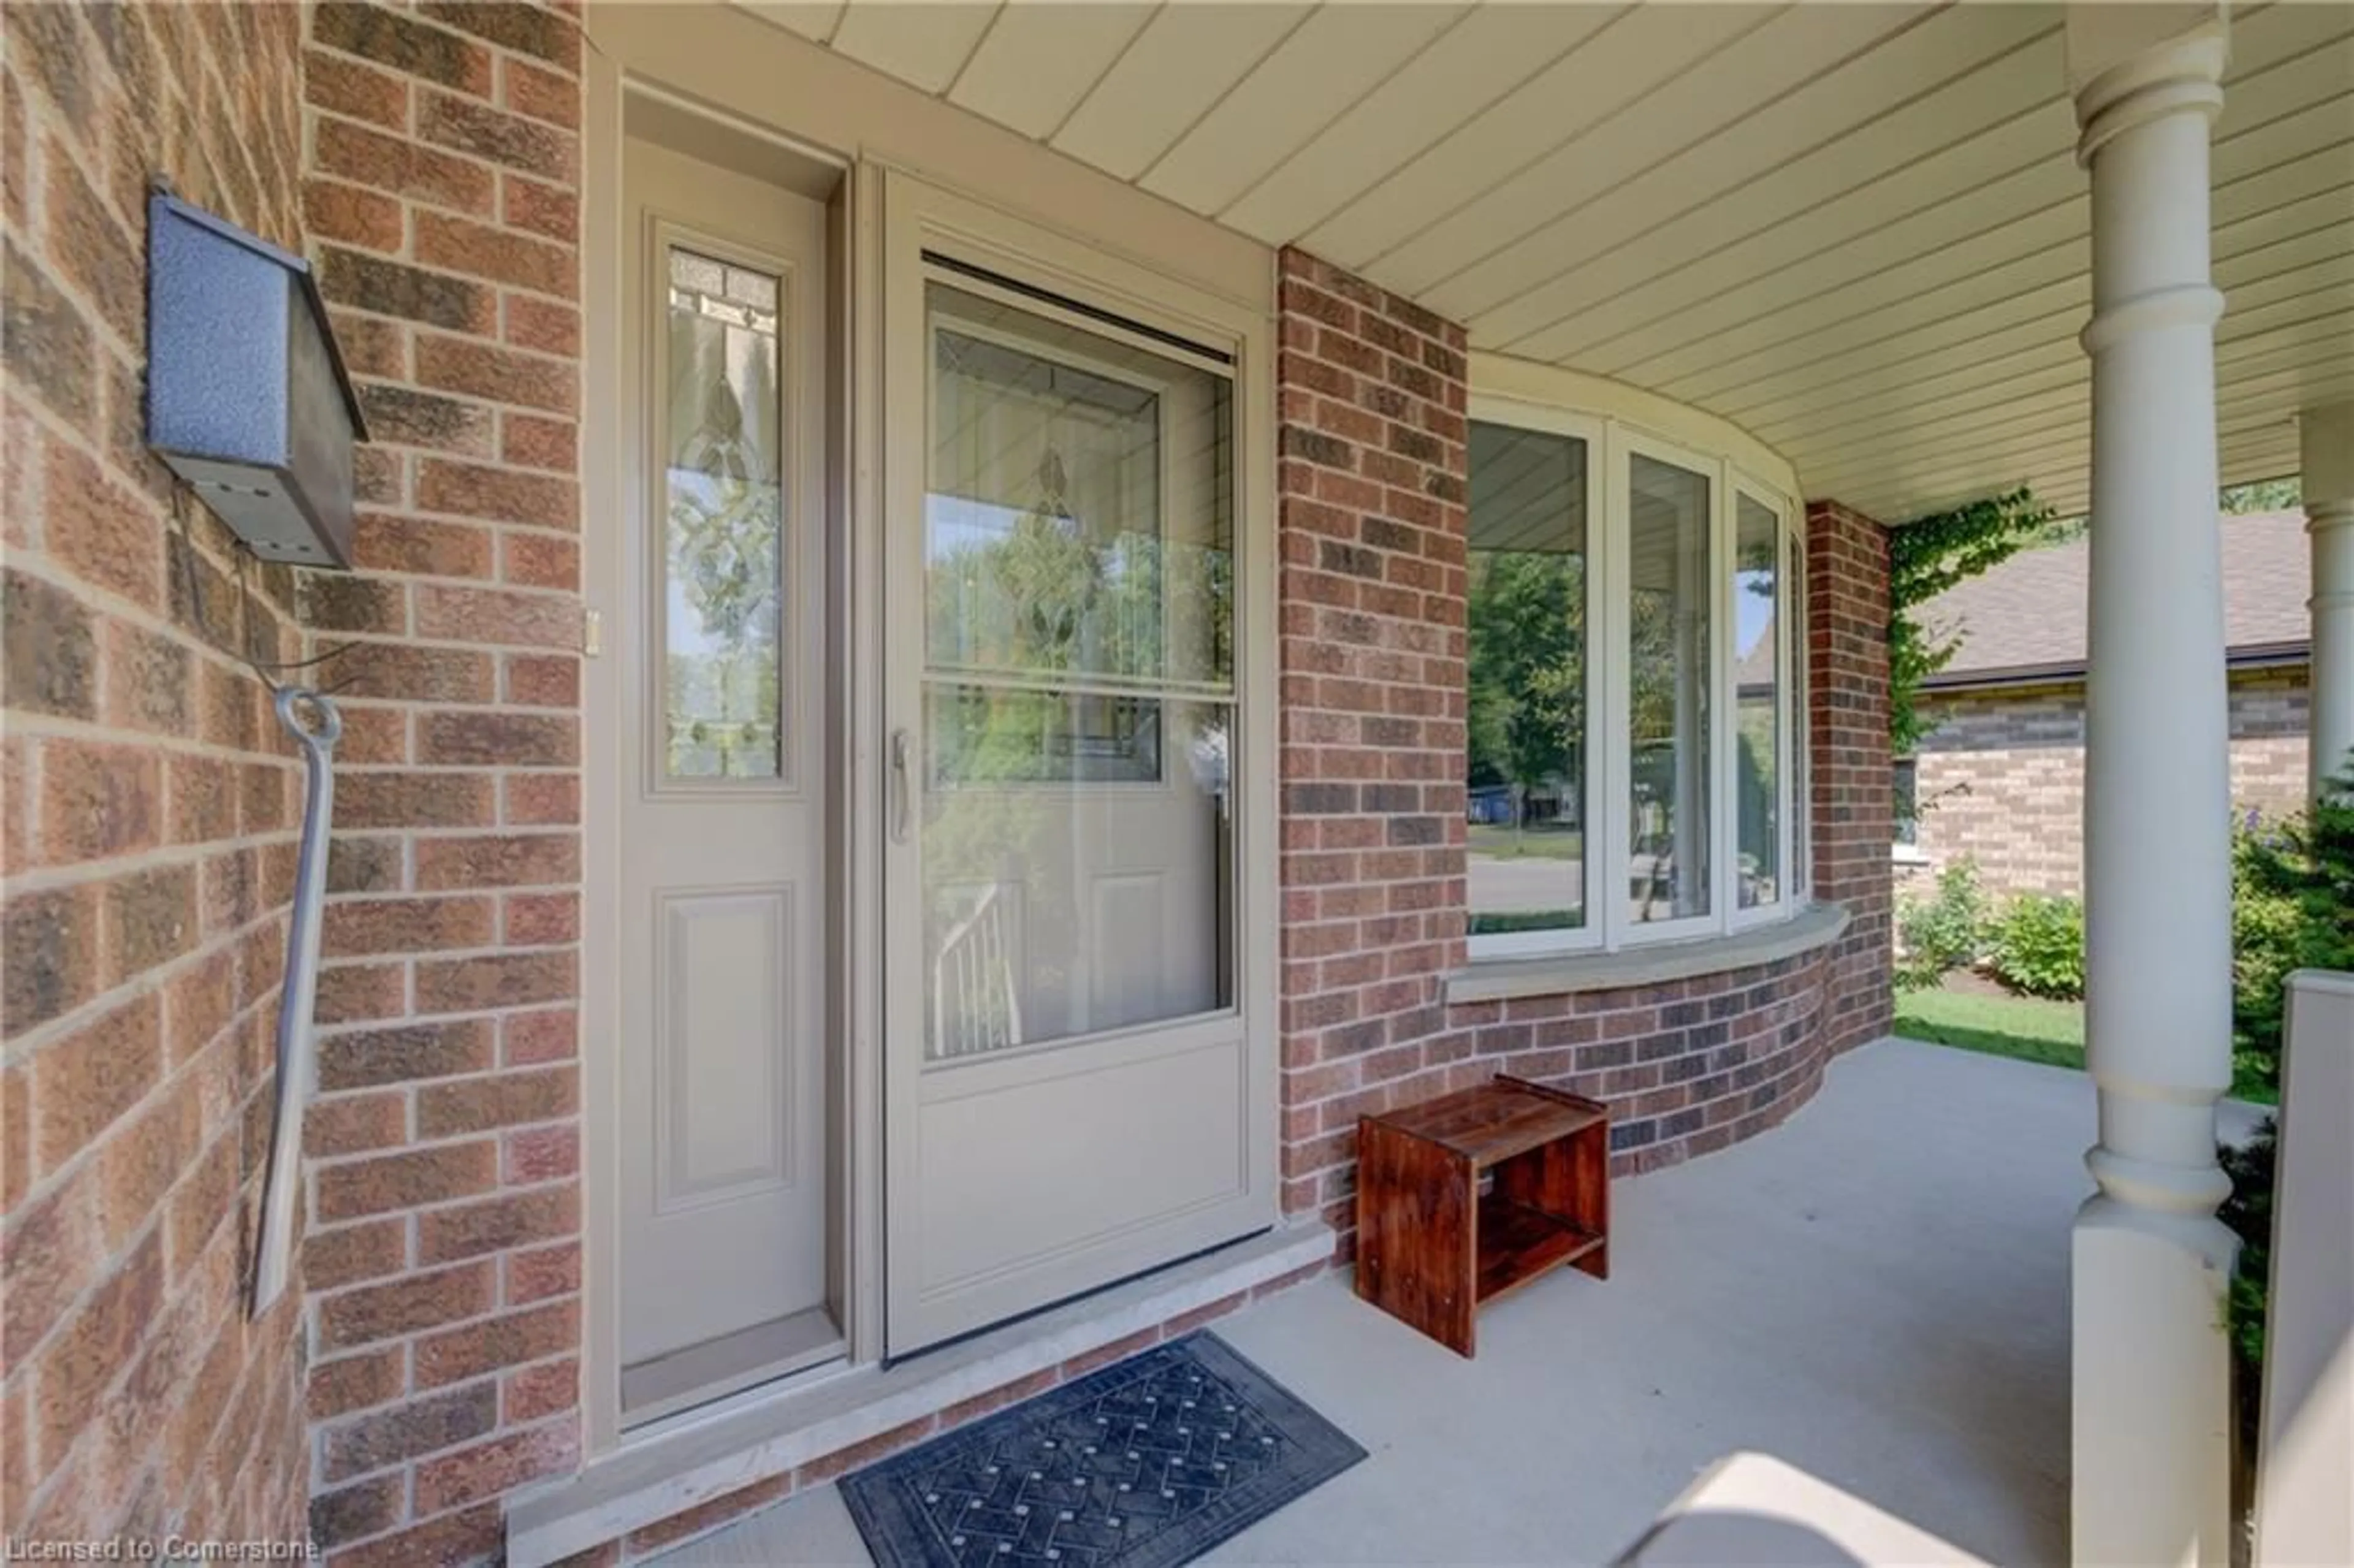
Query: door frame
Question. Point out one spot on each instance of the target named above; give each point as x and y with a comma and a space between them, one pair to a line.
812, 107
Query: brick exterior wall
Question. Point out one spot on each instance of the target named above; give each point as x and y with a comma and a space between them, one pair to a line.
1372, 522
2002, 776
147, 812
1688, 1068
443, 1263
1853, 808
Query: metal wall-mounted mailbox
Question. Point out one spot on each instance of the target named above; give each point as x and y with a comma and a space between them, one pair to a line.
247, 398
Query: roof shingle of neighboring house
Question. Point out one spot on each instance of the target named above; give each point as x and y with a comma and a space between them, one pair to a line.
2024, 620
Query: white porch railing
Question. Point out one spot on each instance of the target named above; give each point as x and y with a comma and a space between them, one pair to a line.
2305, 1505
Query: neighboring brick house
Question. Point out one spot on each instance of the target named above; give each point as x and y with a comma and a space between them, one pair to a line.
1998, 776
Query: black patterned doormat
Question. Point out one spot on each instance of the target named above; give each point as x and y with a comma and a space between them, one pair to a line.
1145, 1464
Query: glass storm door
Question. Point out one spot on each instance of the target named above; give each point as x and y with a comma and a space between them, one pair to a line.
1066, 1081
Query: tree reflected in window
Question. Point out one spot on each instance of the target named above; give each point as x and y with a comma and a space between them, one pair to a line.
722, 589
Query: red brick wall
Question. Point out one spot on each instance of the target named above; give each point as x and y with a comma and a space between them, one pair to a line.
442, 192
146, 813
1689, 1067
1372, 525
1853, 809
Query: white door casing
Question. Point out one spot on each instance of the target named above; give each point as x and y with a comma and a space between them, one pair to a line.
718, 637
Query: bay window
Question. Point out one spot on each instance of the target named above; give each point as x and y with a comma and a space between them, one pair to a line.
1632, 737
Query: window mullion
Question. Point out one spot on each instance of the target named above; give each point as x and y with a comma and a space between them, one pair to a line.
1593, 812
1618, 645
1802, 765
1785, 728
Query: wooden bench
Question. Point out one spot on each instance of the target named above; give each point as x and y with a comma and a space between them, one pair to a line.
1468, 1197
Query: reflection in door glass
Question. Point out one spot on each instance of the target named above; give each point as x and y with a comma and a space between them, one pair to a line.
723, 586
1079, 704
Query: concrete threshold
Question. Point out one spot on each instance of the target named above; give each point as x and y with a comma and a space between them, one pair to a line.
692, 1459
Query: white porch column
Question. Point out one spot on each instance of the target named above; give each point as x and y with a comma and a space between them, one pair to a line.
2325, 437
2151, 1369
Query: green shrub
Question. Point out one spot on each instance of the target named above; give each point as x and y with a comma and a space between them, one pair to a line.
1945, 931
2291, 908
2039, 947
2249, 1211
2268, 931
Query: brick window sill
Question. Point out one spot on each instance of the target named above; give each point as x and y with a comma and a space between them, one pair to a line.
1493, 980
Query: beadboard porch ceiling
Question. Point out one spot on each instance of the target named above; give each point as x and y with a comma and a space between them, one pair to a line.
1858, 230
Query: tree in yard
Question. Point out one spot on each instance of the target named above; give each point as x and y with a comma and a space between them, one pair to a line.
1527, 668
2264, 496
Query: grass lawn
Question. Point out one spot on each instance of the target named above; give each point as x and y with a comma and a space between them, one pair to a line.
1536, 844
2020, 1027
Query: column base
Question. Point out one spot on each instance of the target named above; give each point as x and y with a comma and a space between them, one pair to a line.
2152, 1388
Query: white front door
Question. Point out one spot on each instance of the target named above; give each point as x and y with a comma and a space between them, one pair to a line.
1070, 1079
719, 636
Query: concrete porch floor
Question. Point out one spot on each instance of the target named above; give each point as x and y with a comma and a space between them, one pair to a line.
1876, 1292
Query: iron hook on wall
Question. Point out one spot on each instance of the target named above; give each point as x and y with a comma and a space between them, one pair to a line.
273, 1248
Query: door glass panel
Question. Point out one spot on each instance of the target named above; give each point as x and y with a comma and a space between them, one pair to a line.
723, 586
1756, 680
1671, 587
1078, 695
1525, 738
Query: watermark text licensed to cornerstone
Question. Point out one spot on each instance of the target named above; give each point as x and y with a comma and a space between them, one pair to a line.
155, 1549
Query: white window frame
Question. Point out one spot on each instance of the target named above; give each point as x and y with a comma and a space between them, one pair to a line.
1802, 760
1586, 936
1742, 483
1619, 929
1612, 444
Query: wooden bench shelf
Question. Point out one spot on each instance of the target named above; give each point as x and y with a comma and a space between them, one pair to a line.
1468, 1197
1517, 1244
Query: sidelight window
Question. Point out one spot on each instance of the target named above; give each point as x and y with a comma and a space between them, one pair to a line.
723, 522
